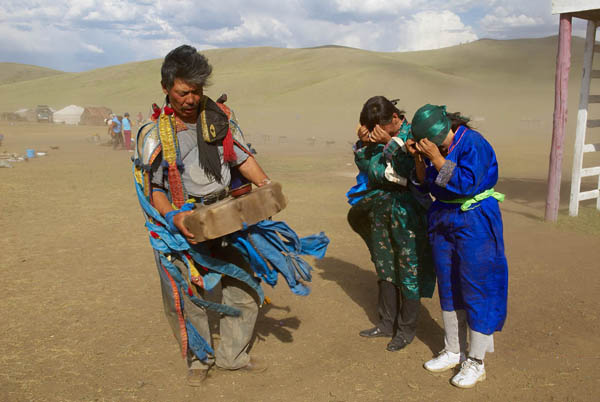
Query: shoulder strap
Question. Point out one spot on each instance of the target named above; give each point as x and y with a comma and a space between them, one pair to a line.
235, 141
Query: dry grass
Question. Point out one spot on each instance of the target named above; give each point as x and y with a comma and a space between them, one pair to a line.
588, 220
15, 72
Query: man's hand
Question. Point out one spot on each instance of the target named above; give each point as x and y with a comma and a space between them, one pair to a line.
163, 205
380, 136
363, 133
432, 152
178, 222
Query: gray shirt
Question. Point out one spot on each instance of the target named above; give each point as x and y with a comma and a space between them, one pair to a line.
195, 181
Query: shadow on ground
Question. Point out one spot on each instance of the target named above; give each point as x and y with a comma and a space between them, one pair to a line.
361, 286
532, 192
280, 328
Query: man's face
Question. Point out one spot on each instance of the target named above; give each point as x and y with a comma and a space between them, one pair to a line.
185, 99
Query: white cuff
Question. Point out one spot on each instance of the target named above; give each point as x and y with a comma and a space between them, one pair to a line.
394, 177
400, 143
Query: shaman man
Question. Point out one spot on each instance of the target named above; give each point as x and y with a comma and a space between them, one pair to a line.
190, 152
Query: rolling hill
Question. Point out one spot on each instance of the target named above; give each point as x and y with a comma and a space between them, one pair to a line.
301, 93
15, 72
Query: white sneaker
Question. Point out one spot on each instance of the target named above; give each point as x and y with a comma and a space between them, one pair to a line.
471, 372
444, 361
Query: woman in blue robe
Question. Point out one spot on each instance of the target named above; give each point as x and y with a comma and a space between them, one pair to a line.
459, 168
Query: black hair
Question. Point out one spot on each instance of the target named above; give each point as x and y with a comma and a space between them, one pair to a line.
186, 64
379, 110
457, 120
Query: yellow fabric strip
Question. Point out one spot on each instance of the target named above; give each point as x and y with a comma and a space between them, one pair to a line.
167, 138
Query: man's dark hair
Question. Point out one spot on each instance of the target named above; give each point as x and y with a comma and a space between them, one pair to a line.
186, 64
378, 110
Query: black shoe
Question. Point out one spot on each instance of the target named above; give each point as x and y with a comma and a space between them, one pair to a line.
374, 332
397, 343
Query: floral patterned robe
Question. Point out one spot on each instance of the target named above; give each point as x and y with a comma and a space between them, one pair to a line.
390, 219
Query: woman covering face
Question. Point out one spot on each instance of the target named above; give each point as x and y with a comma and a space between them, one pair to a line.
458, 167
391, 221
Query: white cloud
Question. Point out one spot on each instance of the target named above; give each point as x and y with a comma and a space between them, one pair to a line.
92, 48
82, 34
501, 18
432, 30
253, 27
372, 6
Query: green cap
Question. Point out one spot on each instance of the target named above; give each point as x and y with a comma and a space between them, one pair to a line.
431, 122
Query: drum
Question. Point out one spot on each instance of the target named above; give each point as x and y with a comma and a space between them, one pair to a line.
229, 215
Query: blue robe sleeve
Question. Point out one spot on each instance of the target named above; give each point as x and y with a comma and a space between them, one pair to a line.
468, 166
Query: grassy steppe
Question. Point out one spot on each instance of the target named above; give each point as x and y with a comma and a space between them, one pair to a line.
15, 72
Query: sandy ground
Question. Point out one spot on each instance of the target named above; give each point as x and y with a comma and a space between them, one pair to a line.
82, 315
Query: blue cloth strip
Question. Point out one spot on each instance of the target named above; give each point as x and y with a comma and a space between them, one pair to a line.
274, 244
228, 269
169, 242
196, 342
182, 284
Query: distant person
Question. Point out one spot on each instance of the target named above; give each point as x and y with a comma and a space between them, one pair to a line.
127, 131
140, 118
115, 131
391, 221
109, 122
459, 168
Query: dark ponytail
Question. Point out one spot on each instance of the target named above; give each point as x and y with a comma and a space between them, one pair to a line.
457, 120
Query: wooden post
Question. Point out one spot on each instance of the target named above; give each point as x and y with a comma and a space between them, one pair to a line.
561, 92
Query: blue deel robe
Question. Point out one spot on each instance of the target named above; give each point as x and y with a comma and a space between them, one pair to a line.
468, 246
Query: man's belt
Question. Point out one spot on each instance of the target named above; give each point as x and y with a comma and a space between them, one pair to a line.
213, 197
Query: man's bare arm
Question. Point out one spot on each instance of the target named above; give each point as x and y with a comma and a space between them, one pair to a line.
252, 171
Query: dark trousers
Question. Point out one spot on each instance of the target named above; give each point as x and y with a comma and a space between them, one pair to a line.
397, 314
117, 140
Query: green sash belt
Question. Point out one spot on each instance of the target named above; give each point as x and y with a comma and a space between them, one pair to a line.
467, 203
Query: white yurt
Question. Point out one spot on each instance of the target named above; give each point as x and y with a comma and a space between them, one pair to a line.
68, 115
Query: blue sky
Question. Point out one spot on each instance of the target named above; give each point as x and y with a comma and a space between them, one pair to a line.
79, 35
